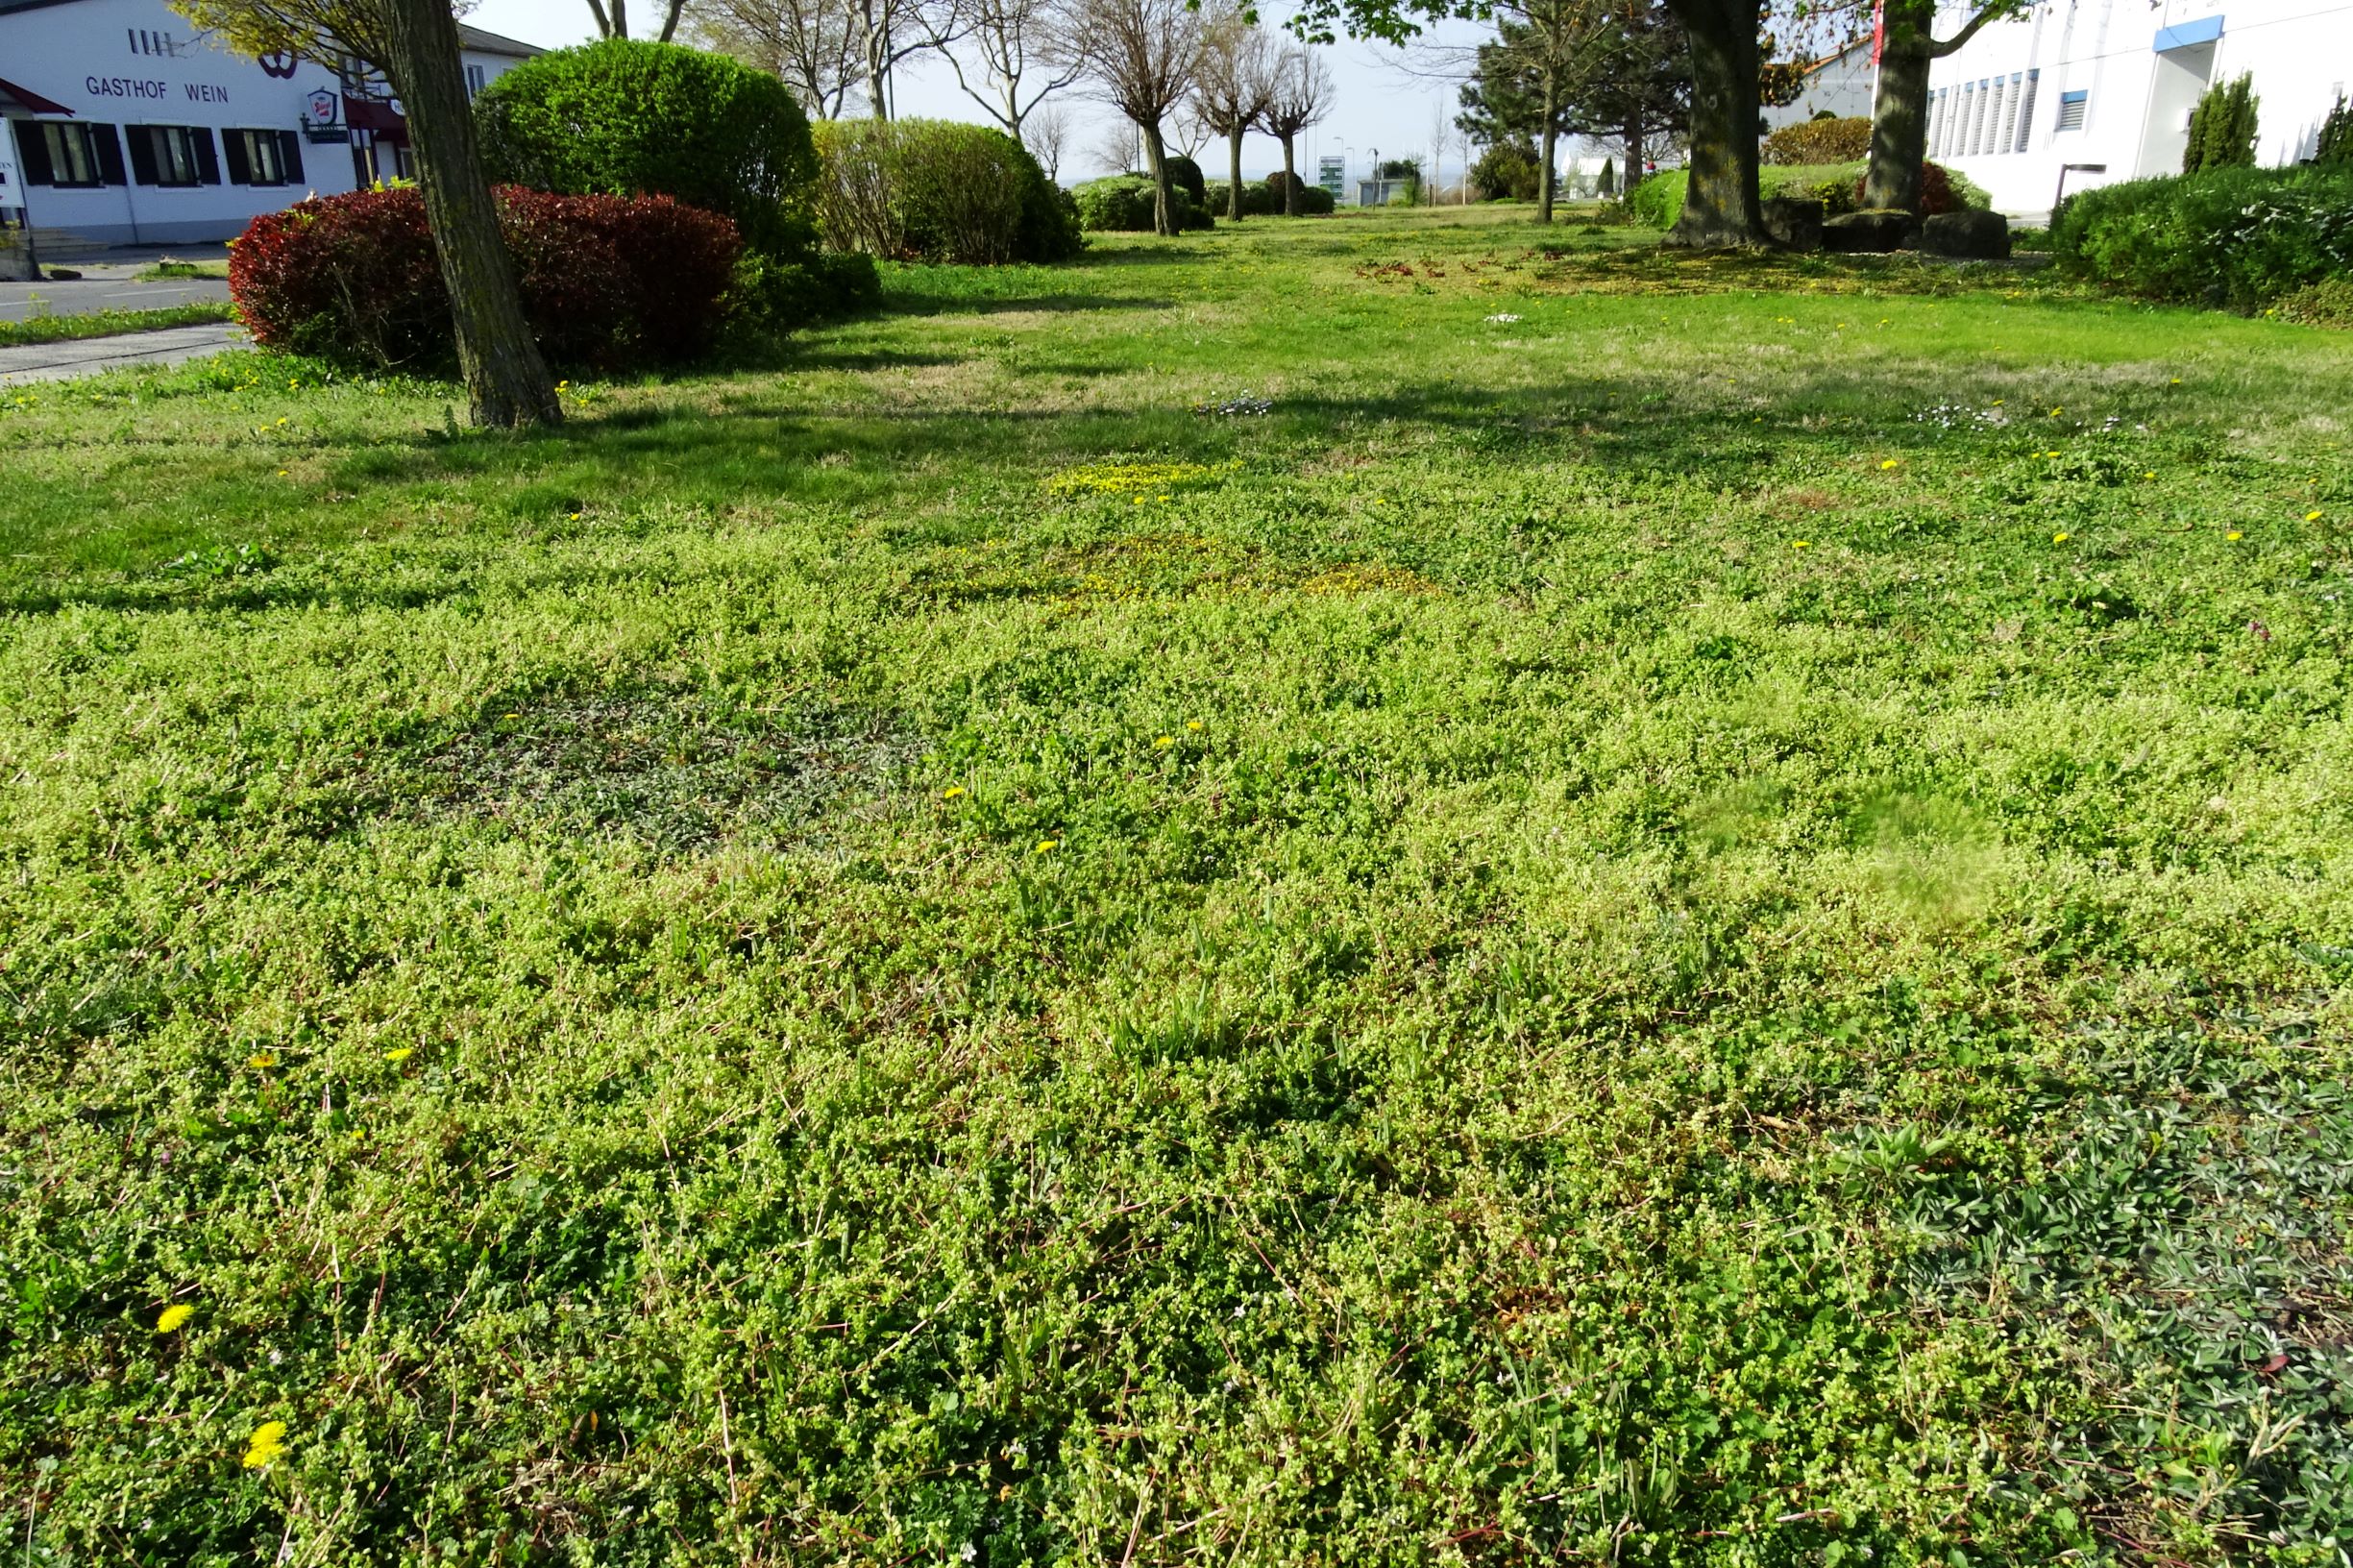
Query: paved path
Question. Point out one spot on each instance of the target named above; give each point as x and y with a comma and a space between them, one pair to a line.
84, 357
104, 288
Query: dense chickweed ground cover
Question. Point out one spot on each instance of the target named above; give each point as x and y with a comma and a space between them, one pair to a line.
1379, 890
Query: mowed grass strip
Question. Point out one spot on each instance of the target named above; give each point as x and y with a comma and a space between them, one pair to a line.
1388, 890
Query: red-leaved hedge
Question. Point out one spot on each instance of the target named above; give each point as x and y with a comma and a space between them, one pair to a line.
608, 282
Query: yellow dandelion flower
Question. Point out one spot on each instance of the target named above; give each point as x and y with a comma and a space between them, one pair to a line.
951, 792
2056, 413
1193, 724
576, 517
2313, 516
1800, 543
1166, 741
266, 1446
2234, 534
2058, 538
1044, 844
261, 1059
2151, 475
173, 1318
399, 1053
282, 473
1885, 466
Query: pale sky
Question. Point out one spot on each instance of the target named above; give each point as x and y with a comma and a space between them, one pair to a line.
1377, 103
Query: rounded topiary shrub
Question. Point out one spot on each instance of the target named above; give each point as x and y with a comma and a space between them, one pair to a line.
1314, 200
626, 118
1185, 176
608, 283
1122, 203
939, 190
1818, 141
1258, 200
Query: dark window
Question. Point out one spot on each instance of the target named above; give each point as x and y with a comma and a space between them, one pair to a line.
263, 158
177, 155
73, 155
473, 80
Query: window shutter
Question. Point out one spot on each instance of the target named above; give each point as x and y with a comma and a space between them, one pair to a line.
142, 156
32, 154
290, 152
240, 172
111, 154
207, 161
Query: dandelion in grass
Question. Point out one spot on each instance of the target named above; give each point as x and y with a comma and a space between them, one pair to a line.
261, 1059
952, 791
174, 1317
1800, 544
266, 1446
1047, 847
2058, 538
2312, 516
1165, 742
1888, 464
399, 1053
2234, 534
1193, 724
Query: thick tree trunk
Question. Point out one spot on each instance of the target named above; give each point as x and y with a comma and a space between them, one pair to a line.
1633, 155
1720, 205
1899, 110
1290, 182
1156, 160
506, 380
1234, 173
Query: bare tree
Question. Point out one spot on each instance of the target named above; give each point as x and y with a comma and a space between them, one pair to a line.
414, 44
1143, 56
807, 43
886, 31
1045, 131
1302, 97
1117, 148
1237, 84
613, 17
1014, 44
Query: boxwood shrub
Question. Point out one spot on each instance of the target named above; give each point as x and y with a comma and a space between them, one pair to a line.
1314, 202
2234, 238
608, 283
939, 190
1834, 141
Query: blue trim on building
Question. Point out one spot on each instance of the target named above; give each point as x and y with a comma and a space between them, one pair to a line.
2205, 29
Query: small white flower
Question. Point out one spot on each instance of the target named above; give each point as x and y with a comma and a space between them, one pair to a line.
972, 1553
1502, 318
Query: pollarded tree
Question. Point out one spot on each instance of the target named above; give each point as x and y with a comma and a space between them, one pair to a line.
414, 44
1013, 42
1237, 86
1302, 97
807, 44
613, 17
1142, 57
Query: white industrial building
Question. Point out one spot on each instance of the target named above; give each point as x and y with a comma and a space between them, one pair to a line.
126, 126
2101, 90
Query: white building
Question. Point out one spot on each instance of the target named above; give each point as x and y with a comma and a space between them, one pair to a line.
1839, 84
125, 127
2111, 82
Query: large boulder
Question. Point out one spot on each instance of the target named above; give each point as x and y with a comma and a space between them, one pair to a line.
1795, 222
1980, 237
1874, 228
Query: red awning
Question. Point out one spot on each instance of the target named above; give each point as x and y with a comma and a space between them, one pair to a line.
371, 114
12, 96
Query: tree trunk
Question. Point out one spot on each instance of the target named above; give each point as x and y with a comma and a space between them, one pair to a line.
506, 380
1234, 173
1720, 203
1899, 110
1550, 144
1156, 159
1290, 182
1633, 155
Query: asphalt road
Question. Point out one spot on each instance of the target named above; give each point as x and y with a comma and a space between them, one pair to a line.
98, 292
84, 357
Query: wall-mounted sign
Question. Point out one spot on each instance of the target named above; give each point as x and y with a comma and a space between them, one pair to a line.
280, 64
322, 107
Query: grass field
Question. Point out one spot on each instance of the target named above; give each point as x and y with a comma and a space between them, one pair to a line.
1343, 892
53, 329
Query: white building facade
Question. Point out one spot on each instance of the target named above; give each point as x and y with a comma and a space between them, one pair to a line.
125, 126
2101, 90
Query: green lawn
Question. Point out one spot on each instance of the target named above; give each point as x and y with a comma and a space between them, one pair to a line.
1681, 911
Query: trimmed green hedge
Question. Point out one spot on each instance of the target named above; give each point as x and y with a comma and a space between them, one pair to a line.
1258, 200
2234, 238
1818, 141
1658, 201
939, 190
630, 119
1122, 204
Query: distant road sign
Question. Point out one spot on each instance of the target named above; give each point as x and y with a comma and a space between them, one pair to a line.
1332, 173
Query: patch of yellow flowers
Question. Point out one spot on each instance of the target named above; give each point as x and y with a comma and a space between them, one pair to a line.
1132, 478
